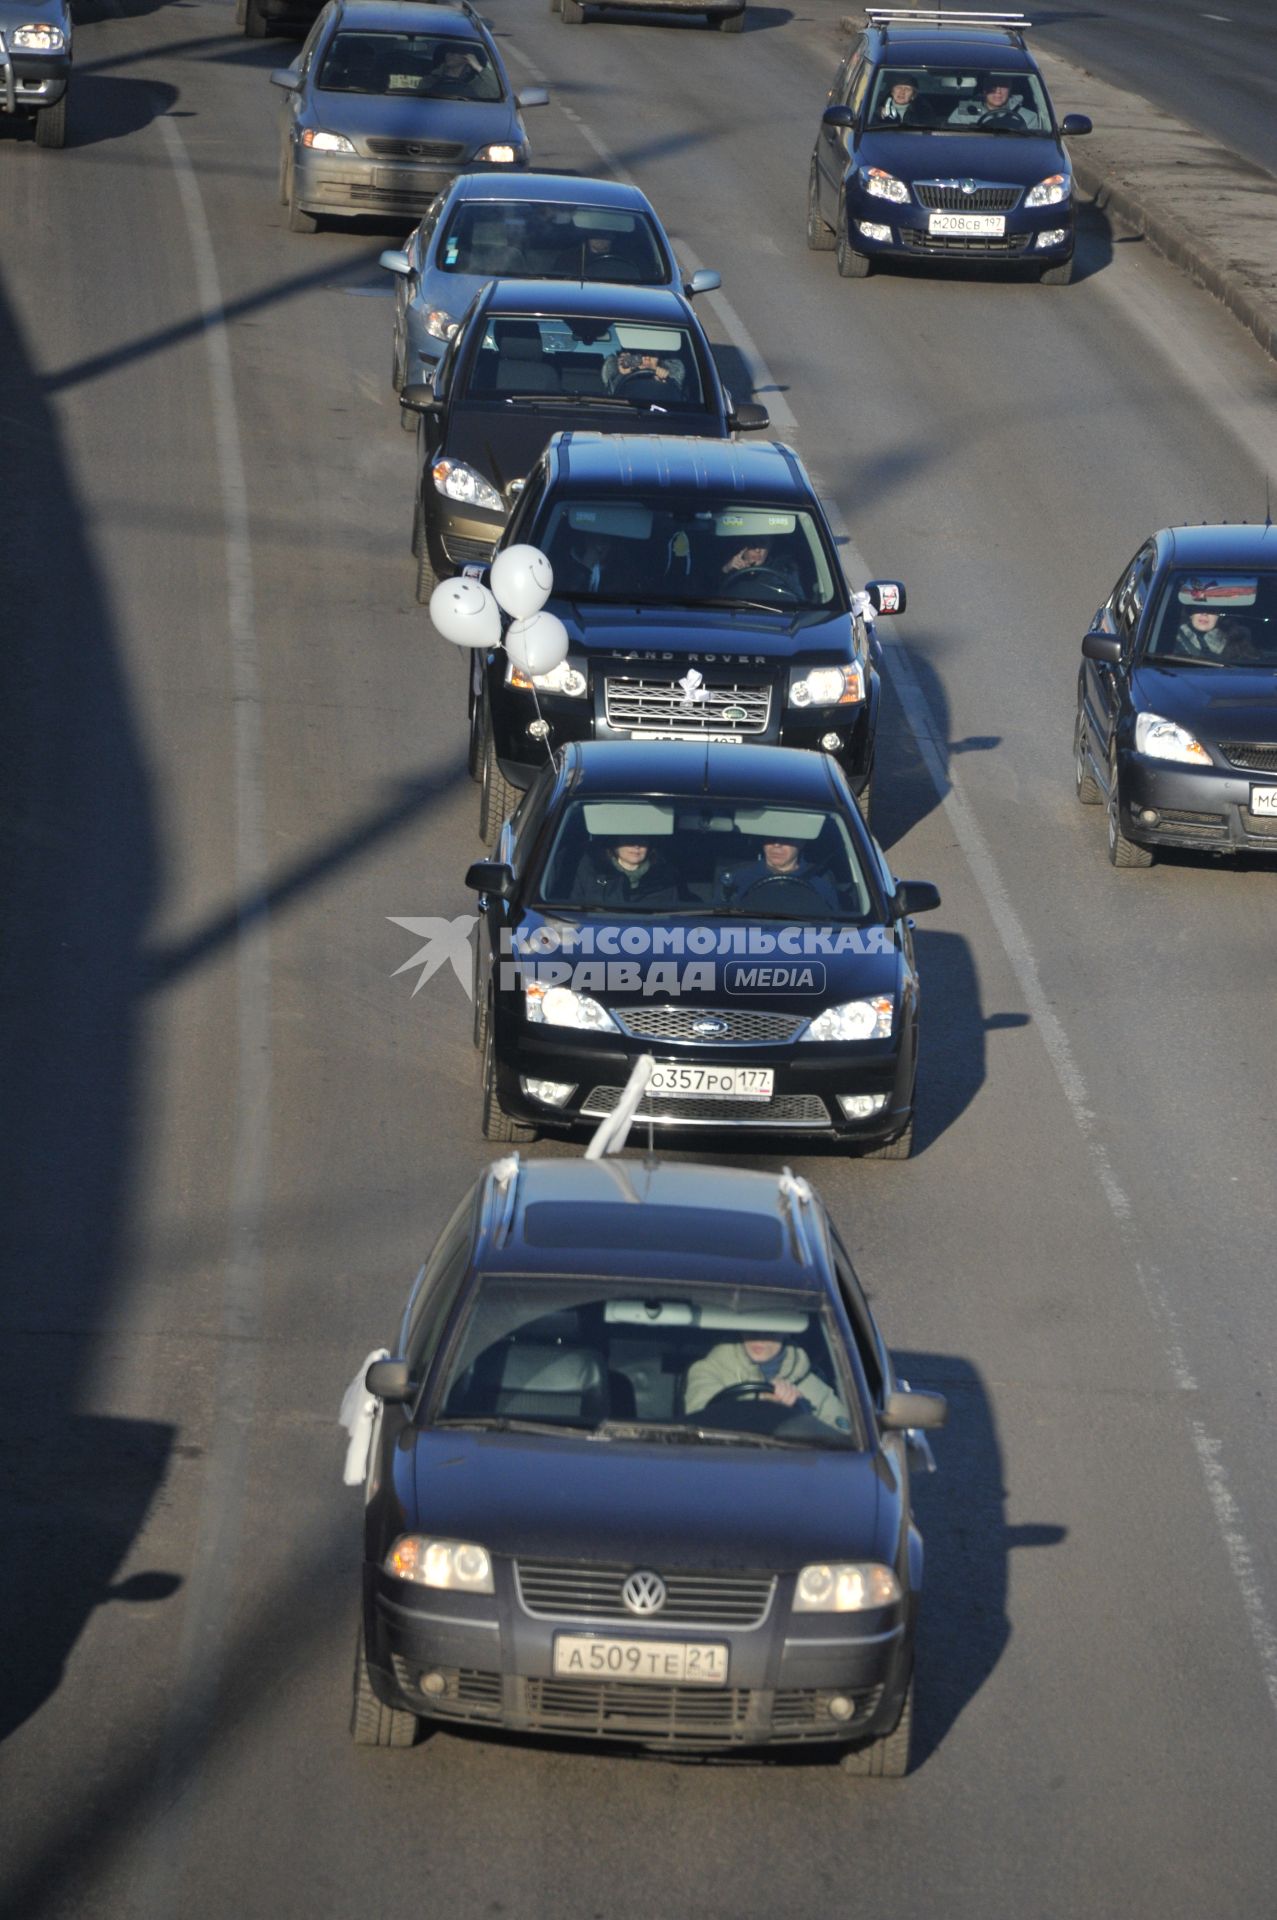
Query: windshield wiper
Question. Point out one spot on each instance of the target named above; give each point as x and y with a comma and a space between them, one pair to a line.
678, 1430
785, 608
510, 1423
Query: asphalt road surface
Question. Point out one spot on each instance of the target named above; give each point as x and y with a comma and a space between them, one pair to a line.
230, 748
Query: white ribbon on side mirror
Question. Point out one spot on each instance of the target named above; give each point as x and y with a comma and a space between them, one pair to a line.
864, 609
357, 1413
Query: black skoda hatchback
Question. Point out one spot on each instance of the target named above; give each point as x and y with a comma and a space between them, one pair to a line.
639, 1471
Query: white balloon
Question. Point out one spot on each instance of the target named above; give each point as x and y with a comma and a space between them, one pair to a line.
523, 580
464, 612
538, 644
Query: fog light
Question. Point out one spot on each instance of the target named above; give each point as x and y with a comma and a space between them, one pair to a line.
841, 1708
538, 728
831, 742
873, 230
434, 1683
551, 1093
1149, 816
861, 1106
1053, 237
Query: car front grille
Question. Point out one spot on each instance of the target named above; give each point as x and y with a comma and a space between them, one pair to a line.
798, 1110
919, 242
468, 1694
741, 1026
799, 1711
404, 199
946, 196
554, 1591
1260, 827
625, 1709
660, 706
1251, 756
468, 553
417, 149
1183, 821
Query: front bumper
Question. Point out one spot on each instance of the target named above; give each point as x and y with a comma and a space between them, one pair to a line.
1193, 806
497, 1670
348, 184
910, 238
458, 535
30, 81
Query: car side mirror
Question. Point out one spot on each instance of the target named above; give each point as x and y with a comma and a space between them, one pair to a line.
888, 596
902, 1410
532, 97
1074, 125
395, 260
704, 280
285, 77
915, 896
748, 417
1104, 648
389, 1380
491, 876
837, 117
421, 397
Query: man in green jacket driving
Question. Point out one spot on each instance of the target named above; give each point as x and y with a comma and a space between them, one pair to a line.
767, 1363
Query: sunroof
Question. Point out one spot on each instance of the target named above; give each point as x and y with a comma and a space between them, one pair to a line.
691, 1230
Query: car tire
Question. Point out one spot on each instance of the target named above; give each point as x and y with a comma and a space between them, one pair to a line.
283, 175
418, 530
474, 756
1122, 852
427, 578
864, 799
482, 1012
851, 265
497, 1124
372, 1722
898, 1149
1085, 784
728, 22
299, 221
497, 797
571, 12
51, 124
821, 237
256, 25
888, 1757
1058, 276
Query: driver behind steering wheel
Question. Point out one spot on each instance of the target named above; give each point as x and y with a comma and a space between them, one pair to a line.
781, 1373
779, 860
758, 564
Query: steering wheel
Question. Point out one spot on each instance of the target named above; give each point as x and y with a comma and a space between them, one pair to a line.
774, 578
745, 1390
766, 1412
807, 894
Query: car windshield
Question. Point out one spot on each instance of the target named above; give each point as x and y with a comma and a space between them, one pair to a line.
656, 549
662, 1361
572, 360
1209, 618
526, 239
426, 65
957, 100
661, 856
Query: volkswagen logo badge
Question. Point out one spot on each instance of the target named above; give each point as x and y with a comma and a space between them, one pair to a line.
644, 1592
709, 1027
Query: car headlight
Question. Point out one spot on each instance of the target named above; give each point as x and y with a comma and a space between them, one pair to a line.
855, 1020
326, 142
38, 37
561, 1007
457, 481
561, 679
1049, 192
829, 687
845, 1587
439, 324
884, 186
502, 154
1163, 740
457, 1565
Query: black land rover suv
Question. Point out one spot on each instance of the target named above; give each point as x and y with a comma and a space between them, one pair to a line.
703, 599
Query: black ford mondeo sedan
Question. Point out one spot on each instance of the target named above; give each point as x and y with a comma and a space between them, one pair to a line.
640, 1472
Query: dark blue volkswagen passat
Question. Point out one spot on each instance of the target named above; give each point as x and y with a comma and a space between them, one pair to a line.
722, 908
640, 1472
1176, 726
939, 142
387, 101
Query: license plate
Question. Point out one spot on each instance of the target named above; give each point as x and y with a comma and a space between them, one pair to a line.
989, 226
717, 739
686, 1663
1263, 802
408, 179
720, 1083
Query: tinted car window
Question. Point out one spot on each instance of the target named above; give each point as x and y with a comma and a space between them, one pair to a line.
418, 64
623, 360
525, 240
1214, 619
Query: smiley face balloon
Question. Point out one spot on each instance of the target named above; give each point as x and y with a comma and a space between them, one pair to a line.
537, 644
522, 580
464, 612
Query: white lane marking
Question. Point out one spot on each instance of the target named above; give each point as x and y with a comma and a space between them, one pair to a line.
1019, 951
1223, 18
209, 1586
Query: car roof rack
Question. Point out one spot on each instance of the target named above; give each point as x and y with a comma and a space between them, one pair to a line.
888, 17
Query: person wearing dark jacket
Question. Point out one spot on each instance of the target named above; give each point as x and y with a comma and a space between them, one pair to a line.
780, 860
623, 874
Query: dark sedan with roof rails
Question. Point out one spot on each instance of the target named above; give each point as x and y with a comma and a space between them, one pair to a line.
639, 1471
939, 143
387, 102
723, 908
1176, 726
531, 357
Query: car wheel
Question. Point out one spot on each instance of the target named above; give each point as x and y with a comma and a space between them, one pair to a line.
863, 799
887, 1758
299, 221
1057, 276
497, 798
898, 1149
284, 188
372, 1722
851, 265
497, 1124
418, 529
1085, 783
482, 1014
728, 22
51, 124
474, 758
1122, 852
256, 25
571, 12
820, 236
